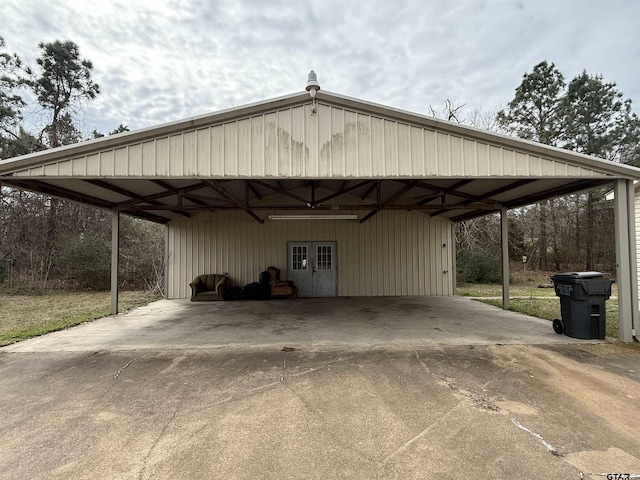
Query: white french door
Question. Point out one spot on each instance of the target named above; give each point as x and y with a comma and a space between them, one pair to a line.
312, 267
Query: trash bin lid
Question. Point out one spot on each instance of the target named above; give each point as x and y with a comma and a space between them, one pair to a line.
580, 275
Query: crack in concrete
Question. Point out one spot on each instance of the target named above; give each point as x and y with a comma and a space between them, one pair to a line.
484, 402
261, 388
125, 366
112, 385
410, 442
328, 431
156, 442
550, 447
478, 399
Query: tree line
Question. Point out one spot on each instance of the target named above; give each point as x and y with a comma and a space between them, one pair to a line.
48, 242
52, 243
586, 115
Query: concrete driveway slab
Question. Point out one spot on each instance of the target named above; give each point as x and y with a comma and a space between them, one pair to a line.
383, 388
310, 322
358, 413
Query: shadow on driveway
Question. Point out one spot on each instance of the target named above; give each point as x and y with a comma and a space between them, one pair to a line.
310, 322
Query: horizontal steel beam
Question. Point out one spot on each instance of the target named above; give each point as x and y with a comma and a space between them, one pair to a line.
303, 208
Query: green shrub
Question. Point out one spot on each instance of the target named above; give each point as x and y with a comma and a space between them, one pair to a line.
86, 259
478, 267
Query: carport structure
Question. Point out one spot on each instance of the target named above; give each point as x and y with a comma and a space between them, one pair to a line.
345, 196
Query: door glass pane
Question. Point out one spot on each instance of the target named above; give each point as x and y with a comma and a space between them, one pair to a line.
299, 257
324, 257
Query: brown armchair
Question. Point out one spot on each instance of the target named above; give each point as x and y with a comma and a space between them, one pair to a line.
209, 287
281, 288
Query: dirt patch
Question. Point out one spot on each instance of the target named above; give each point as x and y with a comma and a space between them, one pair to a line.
582, 399
605, 394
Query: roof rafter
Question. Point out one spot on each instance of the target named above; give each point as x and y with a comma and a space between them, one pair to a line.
378, 202
505, 188
226, 194
453, 190
343, 190
557, 192
281, 190
253, 190
179, 192
60, 192
366, 194
128, 193
159, 195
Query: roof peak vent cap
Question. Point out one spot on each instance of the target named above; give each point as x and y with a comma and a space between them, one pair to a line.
312, 84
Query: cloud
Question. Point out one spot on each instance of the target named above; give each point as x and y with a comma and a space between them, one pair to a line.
158, 61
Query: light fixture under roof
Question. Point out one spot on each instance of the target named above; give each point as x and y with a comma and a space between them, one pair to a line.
314, 217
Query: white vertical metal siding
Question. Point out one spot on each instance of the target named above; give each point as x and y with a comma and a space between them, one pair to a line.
637, 217
293, 143
393, 253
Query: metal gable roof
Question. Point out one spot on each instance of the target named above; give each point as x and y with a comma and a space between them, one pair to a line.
388, 158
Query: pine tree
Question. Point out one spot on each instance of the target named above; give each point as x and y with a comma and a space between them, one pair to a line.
63, 82
535, 114
598, 121
11, 103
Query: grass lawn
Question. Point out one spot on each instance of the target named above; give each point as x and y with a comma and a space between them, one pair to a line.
527, 297
25, 316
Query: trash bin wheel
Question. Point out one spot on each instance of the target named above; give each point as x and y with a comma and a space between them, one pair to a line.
558, 326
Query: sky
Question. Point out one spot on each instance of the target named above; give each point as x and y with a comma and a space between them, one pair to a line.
158, 61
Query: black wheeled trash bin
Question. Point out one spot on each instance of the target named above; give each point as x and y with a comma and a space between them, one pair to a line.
582, 304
